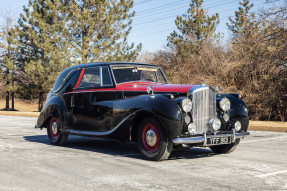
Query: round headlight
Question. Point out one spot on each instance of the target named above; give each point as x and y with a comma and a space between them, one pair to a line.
186, 105
224, 104
215, 124
237, 126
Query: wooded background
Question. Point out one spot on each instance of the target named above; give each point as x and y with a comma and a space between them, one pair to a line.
52, 35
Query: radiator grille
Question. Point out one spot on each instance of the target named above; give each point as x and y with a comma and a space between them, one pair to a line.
203, 108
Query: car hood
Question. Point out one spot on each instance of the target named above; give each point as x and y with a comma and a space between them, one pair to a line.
157, 87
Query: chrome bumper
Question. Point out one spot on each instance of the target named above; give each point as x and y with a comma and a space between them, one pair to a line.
203, 138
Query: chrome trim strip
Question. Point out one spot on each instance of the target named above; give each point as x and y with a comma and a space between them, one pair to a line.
94, 133
203, 139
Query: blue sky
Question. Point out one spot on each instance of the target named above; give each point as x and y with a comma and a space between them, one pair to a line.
154, 19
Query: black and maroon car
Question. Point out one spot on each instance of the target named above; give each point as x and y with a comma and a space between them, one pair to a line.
131, 101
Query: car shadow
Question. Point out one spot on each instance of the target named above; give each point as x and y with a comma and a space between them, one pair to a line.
118, 148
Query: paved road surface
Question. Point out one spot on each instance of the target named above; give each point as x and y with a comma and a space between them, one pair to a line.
29, 162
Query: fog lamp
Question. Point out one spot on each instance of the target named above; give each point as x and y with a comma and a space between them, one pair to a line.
237, 126
215, 124
192, 128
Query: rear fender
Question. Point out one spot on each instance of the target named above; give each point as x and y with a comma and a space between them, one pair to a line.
55, 107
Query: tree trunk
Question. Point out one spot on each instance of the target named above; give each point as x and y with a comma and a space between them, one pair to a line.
40, 107
12, 95
7, 100
12, 100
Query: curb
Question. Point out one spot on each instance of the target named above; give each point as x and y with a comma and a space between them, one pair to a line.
20, 114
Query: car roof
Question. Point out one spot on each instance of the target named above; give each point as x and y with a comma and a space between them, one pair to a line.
92, 64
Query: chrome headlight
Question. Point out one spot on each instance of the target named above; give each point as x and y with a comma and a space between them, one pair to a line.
237, 126
215, 124
224, 104
186, 105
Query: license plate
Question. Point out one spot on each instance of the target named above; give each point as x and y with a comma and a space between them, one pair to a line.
218, 140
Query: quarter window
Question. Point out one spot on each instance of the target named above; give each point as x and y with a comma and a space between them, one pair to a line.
106, 76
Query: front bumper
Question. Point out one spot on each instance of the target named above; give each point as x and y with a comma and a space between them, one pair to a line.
203, 139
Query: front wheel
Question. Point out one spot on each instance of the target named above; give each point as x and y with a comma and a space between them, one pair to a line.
152, 140
225, 149
56, 137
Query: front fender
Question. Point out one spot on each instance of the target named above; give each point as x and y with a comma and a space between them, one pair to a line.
54, 107
161, 107
238, 109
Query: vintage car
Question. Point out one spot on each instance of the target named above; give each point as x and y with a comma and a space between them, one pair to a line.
133, 101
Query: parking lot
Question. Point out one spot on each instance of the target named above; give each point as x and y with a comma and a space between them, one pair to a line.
29, 162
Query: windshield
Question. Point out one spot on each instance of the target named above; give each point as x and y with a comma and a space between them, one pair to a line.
131, 73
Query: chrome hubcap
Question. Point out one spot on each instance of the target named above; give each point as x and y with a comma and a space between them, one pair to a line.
151, 138
54, 128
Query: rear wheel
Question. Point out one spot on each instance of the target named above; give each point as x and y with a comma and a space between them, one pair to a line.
152, 140
56, 137
225, 149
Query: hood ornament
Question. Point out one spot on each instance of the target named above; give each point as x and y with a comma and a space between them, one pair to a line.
202, 83
217, 89
149, 90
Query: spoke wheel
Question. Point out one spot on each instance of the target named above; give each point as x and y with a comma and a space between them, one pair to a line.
152, 140
54, 132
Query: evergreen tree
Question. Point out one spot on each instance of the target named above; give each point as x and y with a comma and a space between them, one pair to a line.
244, 24
41, 40
53, 34
99, 30
195, 29
6, 65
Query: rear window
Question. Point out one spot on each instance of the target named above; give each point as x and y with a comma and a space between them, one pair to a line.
60, 79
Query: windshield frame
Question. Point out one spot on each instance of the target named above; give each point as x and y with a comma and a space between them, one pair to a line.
137, 65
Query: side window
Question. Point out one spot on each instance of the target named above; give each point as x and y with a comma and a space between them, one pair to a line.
106, 76
91, 78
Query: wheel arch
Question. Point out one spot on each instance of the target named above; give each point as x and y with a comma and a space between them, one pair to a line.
54, 108
137, 120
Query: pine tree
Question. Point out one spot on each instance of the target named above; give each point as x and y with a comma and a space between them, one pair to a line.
41, 40
6, 64
99, 30
244, 24
53, 34
195, 29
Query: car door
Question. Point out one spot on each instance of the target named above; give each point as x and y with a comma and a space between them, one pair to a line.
93, 101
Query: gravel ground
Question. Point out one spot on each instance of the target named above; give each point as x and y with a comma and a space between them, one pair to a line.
29, 162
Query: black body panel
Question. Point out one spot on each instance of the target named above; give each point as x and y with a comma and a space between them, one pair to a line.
108, 112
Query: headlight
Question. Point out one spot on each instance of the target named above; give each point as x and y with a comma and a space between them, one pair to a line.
215, 124
186, 105
224, 104
237, 126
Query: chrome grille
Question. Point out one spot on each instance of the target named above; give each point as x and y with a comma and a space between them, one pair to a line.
203, 108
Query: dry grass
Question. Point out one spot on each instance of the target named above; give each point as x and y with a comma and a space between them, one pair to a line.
25, 108
22, 105
275, 126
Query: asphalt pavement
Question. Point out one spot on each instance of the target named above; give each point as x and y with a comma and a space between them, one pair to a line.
29, 162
